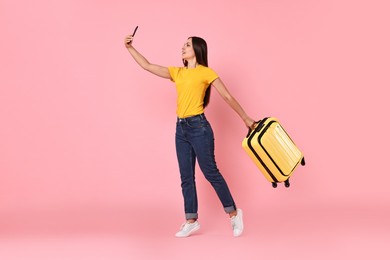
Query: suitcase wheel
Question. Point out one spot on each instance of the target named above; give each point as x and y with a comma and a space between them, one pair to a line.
286, 184
303, 161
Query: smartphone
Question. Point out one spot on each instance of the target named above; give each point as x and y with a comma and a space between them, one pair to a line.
135, 30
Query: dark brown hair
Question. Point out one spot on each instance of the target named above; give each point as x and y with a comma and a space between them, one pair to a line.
200, 48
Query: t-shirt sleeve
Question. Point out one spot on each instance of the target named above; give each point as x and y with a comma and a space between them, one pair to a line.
173, 71
211, 75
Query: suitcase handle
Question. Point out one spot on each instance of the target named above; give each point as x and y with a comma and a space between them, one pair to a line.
250, 130
258, 127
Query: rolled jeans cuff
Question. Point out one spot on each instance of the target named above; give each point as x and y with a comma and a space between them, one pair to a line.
229, 209
191, 216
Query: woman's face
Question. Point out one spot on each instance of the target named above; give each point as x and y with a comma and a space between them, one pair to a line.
187, 50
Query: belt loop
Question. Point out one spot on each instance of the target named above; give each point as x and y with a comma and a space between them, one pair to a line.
202, 116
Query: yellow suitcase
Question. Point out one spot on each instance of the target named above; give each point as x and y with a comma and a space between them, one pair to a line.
273, 151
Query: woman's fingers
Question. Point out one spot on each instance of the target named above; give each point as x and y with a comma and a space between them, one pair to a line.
250, 123
128, 40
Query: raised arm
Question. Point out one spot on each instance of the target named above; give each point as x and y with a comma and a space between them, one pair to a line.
233, 103
143, 62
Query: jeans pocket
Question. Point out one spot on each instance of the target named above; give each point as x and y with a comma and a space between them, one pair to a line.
195, 122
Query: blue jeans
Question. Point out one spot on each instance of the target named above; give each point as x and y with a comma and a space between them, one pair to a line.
195, 141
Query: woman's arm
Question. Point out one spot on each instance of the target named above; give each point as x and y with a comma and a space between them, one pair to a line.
143, 62
223, 91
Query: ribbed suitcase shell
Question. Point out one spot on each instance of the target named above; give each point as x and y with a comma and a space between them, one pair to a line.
273, 151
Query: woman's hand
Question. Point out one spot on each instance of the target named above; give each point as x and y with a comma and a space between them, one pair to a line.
250, 123
128, 41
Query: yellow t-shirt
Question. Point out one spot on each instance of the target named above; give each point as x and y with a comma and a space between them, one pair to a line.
191, 86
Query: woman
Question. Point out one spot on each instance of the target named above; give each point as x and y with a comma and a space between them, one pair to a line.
194, 135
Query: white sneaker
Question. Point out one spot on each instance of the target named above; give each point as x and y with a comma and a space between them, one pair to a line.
187, 229
237, 223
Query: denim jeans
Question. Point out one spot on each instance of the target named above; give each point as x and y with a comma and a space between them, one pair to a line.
195, 141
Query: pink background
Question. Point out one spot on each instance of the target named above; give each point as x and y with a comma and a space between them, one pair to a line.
87, 162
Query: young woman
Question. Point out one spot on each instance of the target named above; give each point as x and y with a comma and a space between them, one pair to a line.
194, 135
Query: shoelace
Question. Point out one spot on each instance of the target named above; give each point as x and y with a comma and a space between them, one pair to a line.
182, 226
233, 222
185, 224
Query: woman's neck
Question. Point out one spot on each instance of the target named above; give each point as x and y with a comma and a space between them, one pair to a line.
191, 64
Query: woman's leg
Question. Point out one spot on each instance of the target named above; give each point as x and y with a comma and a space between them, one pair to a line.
204, 149
186, 159
199, 136
203, 144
